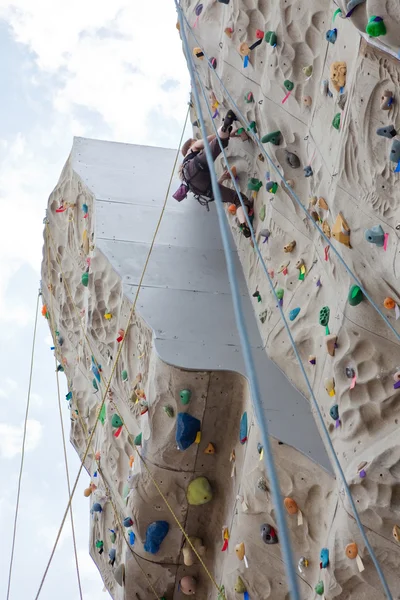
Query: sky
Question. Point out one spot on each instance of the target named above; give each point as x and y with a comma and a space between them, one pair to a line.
88, 68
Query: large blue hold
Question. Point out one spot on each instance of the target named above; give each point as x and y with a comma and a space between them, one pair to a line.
97, 507
375, 235
155, 535
324, 558
187, 428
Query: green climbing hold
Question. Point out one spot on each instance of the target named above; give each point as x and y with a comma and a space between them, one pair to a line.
252, 127
271, 38
355, 295
116, 421
85, 279
262, 212
94, 383
102, 415
240, 588
185, 396
319, 588
336, 121
280, 293
275, 138
375, 27
124, 375
138, 440
254, 184
169, 411
337, 12
99, 544
221, 593
199, 491
289, 85
324, 314
113, 535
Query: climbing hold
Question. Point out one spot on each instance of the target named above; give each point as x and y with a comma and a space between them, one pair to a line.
308, 172
289, 247
249, 98
307, 101
275, 138
334, 412
331, 35
292, 159
326, 229
336, 121
116, 421
124, 375
388, 131
100, 546
375, 235
138, 440
240, 550
169, 411
355, 295
302, 269
213, 62
96, 508
280, 293
351, 5
257, 295
293, 313
341, 231
112, 555
128, 522
94, 383
389, 303
312, 359
268, 534
395, 151
243, 428
289, 85
325, 91
85, 210
85, 279
375, 27
187, 428
387, 100
291, 506
240, 587
271, 38
319, 588
324, 314
119, 574
338, 73
331, 344
254, 184
265, 233
252, 127
272, 187
262, 212
324, 558
155, 535
198, 53
210, 449
108, 316
185, 396
199, 491
330, 386
87, 492
262, 484
303, 563
188, 554
308, 70
396, 533
188, 585
244, 49
351, 550
228, 30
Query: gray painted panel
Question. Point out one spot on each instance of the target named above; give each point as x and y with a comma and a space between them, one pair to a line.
192, 329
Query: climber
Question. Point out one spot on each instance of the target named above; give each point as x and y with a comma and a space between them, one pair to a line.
195, 174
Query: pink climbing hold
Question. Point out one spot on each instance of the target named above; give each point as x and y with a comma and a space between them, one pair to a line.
259, 34
385, 241
286, 97
327, 253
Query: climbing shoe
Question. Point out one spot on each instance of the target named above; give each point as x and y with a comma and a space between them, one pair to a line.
229, 118
245, 230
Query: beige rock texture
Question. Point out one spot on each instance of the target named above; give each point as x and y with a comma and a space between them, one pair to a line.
354, 176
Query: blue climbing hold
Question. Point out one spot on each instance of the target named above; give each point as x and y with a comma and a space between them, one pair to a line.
293, 313
243, 428
324, 558
155, 535
132, 538
308, 172
112, 555
187, 428
128, 522
96, 371
334, 412
96, 508
331, 35
375, 235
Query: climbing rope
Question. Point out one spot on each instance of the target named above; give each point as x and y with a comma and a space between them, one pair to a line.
51, 240
309, 387
53, 333
290, 190
244, 338
22, 450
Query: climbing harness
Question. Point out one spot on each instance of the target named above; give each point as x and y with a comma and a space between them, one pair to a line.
203, 198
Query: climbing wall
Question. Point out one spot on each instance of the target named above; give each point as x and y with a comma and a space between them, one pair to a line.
323, 100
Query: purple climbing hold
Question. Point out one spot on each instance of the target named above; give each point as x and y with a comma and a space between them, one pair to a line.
198, 10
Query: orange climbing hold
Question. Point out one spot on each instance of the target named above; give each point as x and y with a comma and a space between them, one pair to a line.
389, 303
210, 449
291, 506
131, 460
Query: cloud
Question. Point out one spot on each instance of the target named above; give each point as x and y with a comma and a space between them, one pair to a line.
11, 438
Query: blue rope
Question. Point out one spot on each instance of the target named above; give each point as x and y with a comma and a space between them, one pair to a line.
294, 195
314, 400
244, 339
